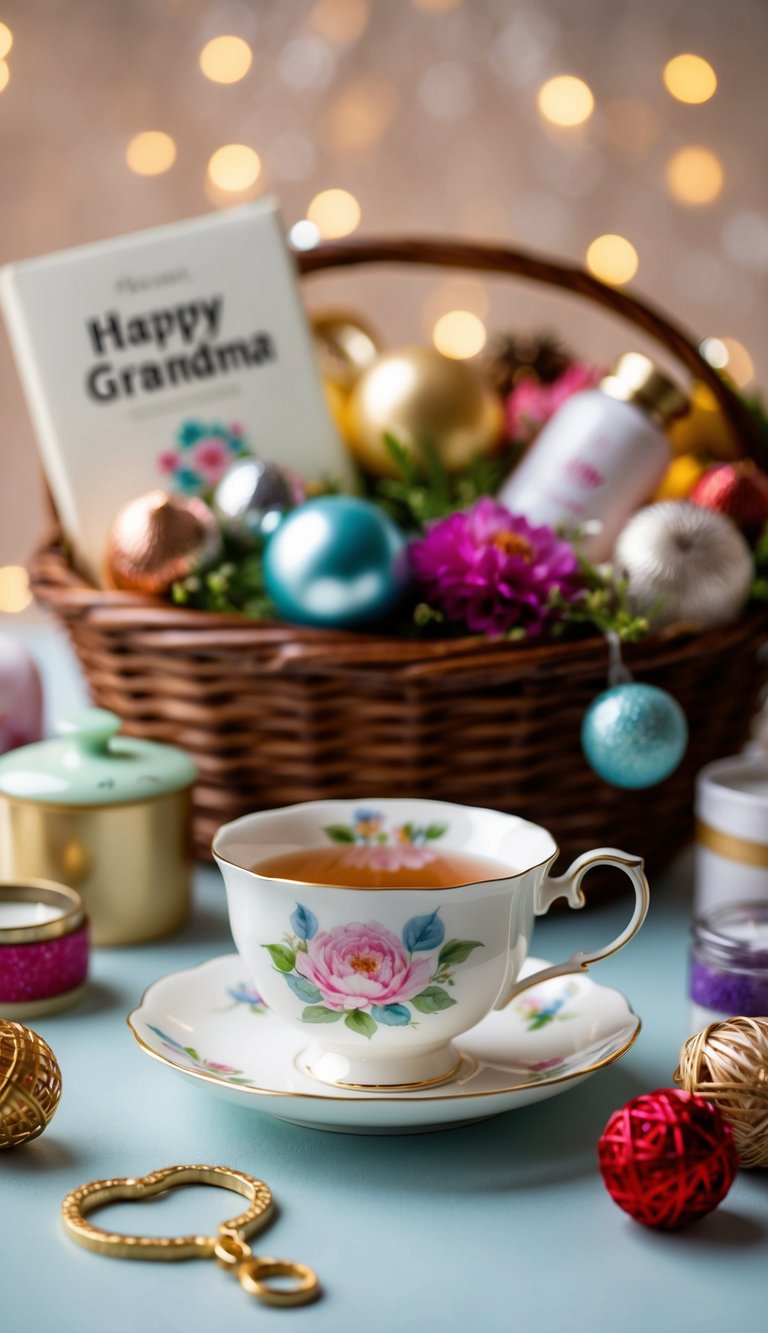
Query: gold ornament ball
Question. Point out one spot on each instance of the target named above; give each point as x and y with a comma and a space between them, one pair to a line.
422, 397
704, 429
159, 538
30, 1084
728, 1064
344, 345
680, 478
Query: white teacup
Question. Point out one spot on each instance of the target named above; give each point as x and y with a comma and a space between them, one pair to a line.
382, 980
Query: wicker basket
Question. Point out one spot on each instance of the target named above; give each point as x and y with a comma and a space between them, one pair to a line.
273, 713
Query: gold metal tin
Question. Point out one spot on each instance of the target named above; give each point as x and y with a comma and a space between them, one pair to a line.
130, 863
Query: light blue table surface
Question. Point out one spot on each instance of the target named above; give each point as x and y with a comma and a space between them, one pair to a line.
493, 1228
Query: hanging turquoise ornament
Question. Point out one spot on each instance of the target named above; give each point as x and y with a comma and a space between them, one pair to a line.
633, 735
250, 501
335, 563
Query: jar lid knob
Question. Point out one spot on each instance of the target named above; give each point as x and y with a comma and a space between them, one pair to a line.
91, 729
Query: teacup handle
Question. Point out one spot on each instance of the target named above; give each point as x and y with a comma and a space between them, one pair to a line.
568, 886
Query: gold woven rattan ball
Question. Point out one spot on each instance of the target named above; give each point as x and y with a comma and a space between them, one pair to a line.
30, 1084
728, 1064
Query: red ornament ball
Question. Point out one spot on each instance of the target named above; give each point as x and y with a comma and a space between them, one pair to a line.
667, 1158
739, 490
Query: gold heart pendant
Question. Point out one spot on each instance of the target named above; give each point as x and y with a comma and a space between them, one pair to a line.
228, 1245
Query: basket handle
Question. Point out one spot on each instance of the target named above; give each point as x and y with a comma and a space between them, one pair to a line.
447, 253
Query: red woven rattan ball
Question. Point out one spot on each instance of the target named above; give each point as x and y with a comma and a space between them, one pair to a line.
667, 1158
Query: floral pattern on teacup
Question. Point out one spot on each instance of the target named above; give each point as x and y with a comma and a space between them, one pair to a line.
244, 993
538, 1011
405, 846
226, 1073
365, 974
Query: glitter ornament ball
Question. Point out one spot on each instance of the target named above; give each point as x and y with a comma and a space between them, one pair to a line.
728, 1064
421, 397
159, 538
250, 501
335, 563
739, 490
30, 1084
634, 735
684, 564
667, 1158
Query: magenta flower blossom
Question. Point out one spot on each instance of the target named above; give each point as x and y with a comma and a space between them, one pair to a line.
531, 403
358, 965
491, 571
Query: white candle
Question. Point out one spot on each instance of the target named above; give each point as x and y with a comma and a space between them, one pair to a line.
16, 914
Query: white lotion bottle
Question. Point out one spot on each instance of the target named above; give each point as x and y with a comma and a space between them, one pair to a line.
600, 456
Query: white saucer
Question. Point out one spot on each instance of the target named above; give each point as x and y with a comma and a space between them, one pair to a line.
208, 1023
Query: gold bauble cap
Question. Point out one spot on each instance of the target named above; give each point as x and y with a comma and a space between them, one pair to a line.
635, 379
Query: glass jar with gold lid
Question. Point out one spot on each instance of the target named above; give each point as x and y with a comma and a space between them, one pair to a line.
106, 814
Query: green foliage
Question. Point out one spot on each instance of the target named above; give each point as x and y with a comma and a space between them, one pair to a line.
603, 604
426, 490
432, 1000
235, 585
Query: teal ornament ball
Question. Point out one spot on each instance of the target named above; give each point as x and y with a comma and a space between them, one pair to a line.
634, 735
336, 562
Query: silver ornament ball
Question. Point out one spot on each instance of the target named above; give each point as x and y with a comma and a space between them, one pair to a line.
684, 564
251, 499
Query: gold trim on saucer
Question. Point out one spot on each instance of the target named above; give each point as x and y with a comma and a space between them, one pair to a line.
731, 847
388, 1087
72, 912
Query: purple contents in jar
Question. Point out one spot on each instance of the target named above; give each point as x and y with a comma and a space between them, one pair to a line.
729, 960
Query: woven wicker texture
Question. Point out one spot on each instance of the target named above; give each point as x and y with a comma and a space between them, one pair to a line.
30, 1084
274, 714
728, 1064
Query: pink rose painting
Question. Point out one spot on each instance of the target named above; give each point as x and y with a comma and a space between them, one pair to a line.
367, 975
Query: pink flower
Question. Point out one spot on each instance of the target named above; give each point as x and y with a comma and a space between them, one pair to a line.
168, 462
212, 459
358, 965
531, 403
491, 571
402, 857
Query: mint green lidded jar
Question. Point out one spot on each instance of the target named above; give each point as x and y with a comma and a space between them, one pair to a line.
108, 815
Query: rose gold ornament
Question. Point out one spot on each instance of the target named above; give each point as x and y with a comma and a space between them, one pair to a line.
423, 399
30, 1084
159, 538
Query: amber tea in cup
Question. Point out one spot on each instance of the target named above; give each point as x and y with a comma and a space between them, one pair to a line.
381, 867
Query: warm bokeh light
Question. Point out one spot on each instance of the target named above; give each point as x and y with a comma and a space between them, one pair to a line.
436, 6
566, 100
14, 589
715, 352
234, 167
361, 114
459, 334
226, 59
334, 213
5, 74
612, 258
694, 176
6, 40
339, 20
304, 235
150, 153
690, 78
741, 367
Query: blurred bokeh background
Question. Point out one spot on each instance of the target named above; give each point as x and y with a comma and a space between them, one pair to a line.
627, 137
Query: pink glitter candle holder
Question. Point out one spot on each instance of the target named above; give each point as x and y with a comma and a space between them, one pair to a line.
43, 947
